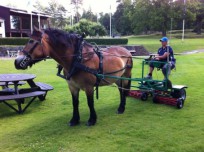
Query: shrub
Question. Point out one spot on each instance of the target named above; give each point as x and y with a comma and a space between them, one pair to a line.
105, 41
13, 41
108, 41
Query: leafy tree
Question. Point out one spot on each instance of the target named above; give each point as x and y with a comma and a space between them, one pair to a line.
122, 17
90, 28
89, 15
141, 22
105, 20
56, 11
161, 15
77, 5
187, 12
199, 17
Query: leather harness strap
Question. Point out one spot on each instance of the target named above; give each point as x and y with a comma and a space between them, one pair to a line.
77, 65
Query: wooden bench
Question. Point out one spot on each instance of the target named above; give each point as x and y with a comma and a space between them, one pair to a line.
19, 98
44, 87
11, 83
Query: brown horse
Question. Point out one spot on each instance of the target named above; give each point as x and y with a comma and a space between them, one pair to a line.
81, 63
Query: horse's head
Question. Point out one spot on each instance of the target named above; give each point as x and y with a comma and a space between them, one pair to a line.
33, 52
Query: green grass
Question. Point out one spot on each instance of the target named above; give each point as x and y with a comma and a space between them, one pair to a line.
151, 43
144, 127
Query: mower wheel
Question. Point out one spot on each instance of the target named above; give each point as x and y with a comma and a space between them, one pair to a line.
154, 99
144, 96
180, 103
180, 94
183, 94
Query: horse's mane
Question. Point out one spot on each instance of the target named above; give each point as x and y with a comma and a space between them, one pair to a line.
60, 39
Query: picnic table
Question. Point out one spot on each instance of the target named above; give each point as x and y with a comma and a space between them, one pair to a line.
10, 90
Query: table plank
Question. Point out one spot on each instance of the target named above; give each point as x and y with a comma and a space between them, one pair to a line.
21, 96
11, 83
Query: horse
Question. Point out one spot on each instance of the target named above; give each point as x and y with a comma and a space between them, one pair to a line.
81, 62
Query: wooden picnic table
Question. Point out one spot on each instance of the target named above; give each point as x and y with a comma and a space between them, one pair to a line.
17, 94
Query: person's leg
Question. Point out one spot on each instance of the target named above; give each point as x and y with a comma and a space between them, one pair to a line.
166, 70
151, 69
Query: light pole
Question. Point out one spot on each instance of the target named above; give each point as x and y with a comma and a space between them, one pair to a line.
171, 27
110, 22
184, 14
29, 10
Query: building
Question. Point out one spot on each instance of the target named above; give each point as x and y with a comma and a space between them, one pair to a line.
17, 22
2, 27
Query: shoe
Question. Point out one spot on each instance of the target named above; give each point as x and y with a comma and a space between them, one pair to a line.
148, 77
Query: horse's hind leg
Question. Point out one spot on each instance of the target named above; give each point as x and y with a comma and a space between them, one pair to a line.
75, 102
90, 99
121, 107
124, 86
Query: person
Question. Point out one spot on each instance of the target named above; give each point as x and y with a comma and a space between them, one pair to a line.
162, 55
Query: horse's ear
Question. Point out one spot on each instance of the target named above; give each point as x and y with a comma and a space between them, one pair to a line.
83, 35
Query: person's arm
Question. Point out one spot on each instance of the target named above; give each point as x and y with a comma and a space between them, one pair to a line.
164, 56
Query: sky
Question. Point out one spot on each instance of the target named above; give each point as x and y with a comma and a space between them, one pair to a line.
96, 6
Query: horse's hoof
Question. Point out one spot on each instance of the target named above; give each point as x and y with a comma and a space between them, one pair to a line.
120, 111
91, 123
73, 123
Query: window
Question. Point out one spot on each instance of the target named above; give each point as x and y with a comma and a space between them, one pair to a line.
15, 22
0, 24
25, 23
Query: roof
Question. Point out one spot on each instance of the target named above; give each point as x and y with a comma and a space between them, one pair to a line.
21, 11
1, 18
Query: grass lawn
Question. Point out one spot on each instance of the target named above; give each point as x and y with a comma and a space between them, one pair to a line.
151, 43
144, 127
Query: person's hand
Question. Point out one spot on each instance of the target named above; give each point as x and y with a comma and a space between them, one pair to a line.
156, 57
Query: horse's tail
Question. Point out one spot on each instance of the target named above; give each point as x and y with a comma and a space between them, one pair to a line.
129, 66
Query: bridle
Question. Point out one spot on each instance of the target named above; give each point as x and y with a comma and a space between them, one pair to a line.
27, 60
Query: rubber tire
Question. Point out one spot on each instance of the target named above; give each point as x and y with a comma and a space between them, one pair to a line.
144, 96
183, 94
154, 99
180, 103
179, 94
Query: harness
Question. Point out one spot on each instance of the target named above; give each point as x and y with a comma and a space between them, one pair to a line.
77, 64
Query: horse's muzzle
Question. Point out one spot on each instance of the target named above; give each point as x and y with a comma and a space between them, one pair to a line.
22, 62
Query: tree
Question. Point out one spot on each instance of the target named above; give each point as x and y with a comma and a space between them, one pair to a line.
140, 22
162, 16
77, 5
90, 28
89, 15
122, 17
56, 11
199, 17
105, 21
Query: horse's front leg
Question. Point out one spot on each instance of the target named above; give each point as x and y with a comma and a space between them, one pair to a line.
75, 102
90, 100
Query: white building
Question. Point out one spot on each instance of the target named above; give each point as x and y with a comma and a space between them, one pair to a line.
2, 27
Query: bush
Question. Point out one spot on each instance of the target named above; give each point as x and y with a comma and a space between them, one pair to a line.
108, 41
23, 41
13, 41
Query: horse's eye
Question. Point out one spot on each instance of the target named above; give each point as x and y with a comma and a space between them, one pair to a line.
30, 41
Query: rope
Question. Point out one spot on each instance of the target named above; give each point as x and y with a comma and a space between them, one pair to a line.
109, 54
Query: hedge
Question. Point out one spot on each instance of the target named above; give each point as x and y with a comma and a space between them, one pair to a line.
13, 41
109, 41
104, 41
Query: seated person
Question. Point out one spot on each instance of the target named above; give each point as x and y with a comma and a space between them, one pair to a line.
163, 53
